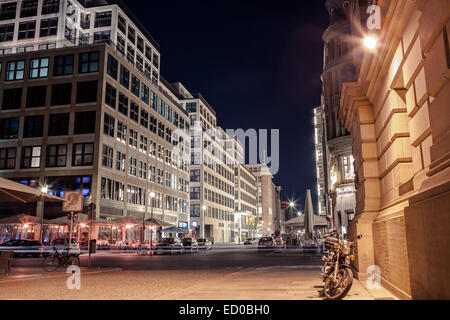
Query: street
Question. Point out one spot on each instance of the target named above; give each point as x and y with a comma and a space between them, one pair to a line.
224, 273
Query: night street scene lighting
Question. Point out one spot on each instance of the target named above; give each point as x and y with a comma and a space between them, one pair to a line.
215, 159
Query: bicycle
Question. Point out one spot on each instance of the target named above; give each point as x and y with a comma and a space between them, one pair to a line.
59, 260
142, 250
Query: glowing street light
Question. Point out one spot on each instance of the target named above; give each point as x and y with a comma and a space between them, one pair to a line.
44, 189
370, 42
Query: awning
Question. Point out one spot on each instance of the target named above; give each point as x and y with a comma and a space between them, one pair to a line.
22, 219
11, 191
176, 230
83, 218
158, 223
127, 220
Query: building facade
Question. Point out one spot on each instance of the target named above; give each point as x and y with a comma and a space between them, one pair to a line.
339, 67
85, 115
212, 191
321, 172
265, 199
398, 113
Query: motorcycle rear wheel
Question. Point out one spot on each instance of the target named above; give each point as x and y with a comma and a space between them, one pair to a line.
338, 290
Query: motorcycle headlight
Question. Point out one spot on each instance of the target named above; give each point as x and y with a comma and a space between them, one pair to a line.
346, 250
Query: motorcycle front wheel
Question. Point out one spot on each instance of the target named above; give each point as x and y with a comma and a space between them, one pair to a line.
339, 289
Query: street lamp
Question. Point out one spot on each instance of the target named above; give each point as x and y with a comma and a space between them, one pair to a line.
202, 226
370, 42
44, 190
152, 196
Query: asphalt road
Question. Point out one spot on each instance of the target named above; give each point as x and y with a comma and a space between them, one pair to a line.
219, 258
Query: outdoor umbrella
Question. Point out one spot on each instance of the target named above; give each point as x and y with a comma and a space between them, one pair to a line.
21, 219
11, 191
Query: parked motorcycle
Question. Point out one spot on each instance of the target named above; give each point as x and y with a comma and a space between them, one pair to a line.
336, 271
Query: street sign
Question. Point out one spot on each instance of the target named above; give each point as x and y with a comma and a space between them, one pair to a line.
73, 201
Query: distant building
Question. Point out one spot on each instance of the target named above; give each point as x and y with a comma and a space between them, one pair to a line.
265, 199
245, 190
321, 173
339, 67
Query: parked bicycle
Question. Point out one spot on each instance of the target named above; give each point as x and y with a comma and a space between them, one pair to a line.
142, 250
60, 260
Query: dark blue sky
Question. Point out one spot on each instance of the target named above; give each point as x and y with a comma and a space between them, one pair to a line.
258, 63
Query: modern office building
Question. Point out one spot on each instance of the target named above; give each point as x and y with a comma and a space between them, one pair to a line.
245, 204
211, 170
265, 199
82, 111
321, 172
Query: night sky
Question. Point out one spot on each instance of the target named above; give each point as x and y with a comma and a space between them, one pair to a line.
257, 63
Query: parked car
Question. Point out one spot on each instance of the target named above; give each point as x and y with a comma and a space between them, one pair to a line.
250, 241
190, 244
61, 245
169, 245
266, 244
23, 248
204, 244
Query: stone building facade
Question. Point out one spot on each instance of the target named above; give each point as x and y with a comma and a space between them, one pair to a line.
398, 111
